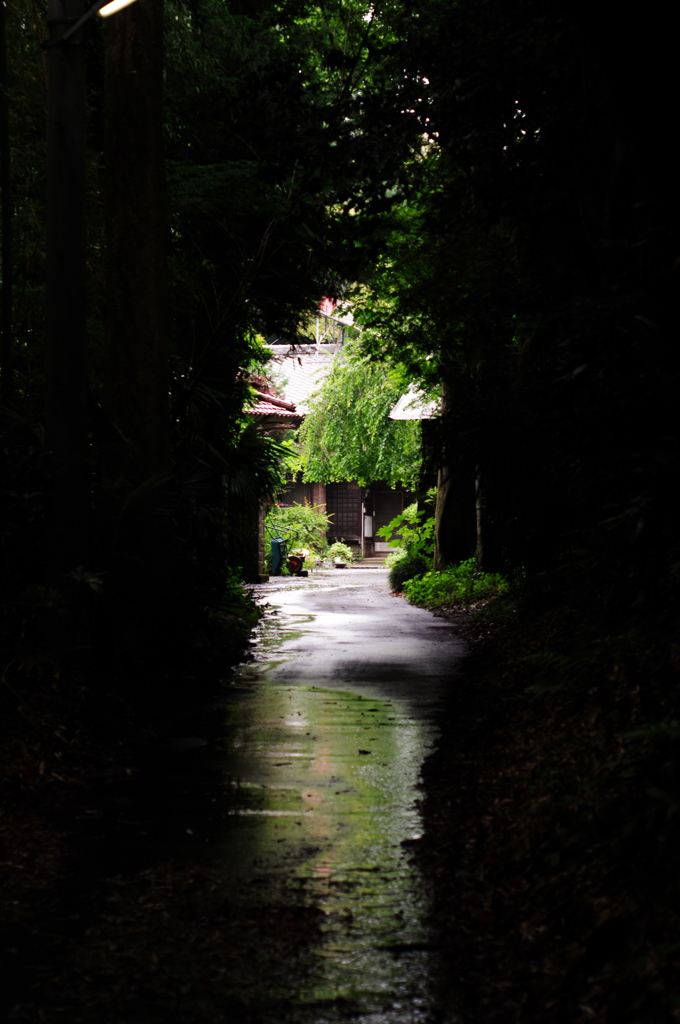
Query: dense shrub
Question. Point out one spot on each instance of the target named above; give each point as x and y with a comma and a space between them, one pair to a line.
339, 551
405, 569
413, 529
459, 584
301, 526
411, 535
394, 556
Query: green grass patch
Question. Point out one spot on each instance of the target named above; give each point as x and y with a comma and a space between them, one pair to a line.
459, 584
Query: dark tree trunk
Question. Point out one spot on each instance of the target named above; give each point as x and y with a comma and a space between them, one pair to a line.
455, 524
136, 386
136, 457
67, 475
7, 258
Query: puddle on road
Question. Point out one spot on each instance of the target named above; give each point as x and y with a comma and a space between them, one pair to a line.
324, 791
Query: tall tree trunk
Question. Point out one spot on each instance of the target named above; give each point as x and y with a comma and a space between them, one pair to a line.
7, 258
136, 391
455, 510
135, 462
67, 474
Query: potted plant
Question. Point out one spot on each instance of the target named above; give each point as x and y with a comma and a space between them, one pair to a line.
340, 554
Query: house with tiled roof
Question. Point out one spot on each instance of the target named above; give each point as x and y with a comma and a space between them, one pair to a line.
272, 410
299, 370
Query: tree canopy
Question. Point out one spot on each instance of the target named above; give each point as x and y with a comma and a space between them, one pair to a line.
279, 131
347, 433
491, 184
488, 202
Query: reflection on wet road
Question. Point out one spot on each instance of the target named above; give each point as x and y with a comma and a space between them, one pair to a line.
329, 726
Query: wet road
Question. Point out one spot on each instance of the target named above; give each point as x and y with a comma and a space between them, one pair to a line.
329, 725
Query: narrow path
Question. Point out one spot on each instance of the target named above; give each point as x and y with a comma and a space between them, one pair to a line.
253, 866
330, 724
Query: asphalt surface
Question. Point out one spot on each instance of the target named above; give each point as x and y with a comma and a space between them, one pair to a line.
329, 725
354, 632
